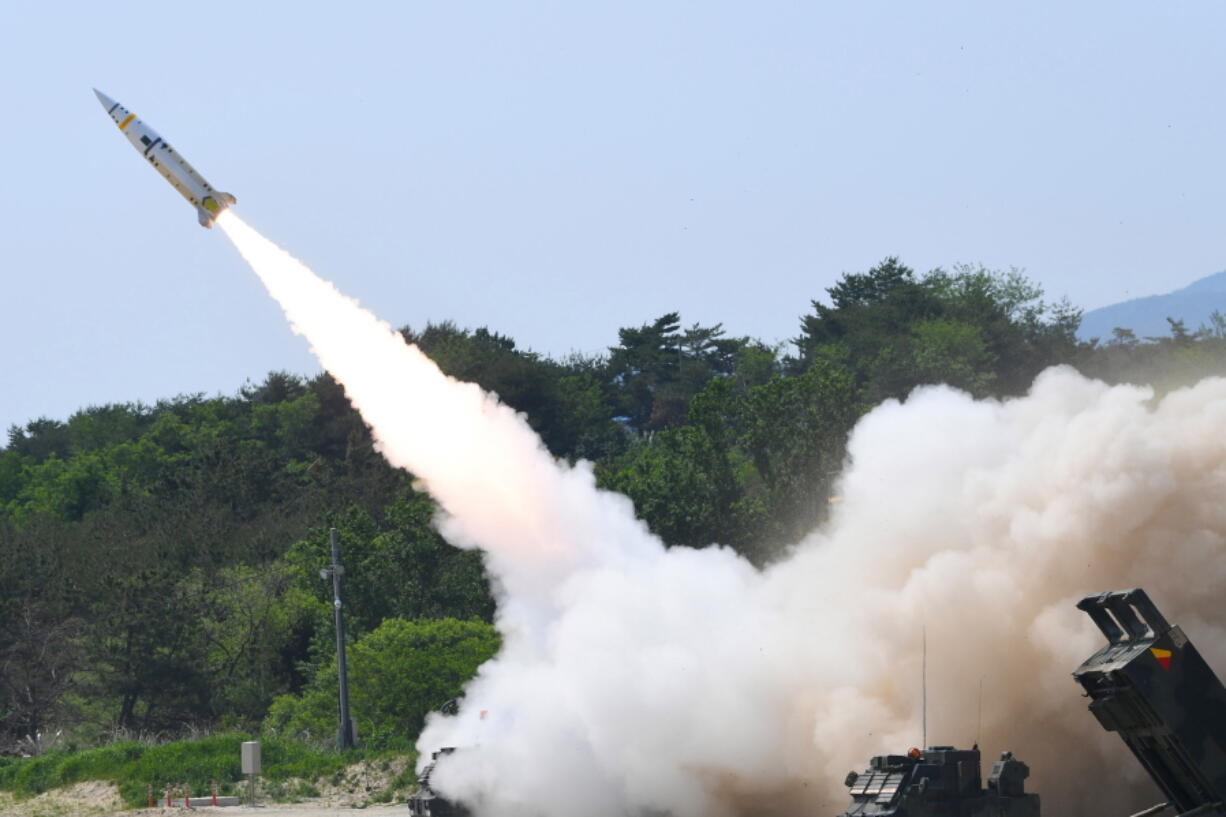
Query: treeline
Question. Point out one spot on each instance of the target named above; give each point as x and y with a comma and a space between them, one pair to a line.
159, 565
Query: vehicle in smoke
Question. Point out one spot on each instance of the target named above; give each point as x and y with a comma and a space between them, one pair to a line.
425, 802
166, 160
940, 782
1151, 686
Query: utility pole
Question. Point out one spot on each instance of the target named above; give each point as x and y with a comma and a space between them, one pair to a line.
345, 737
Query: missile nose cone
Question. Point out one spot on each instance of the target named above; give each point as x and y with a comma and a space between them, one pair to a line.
107, 102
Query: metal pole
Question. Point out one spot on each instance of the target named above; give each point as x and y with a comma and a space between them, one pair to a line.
345, 738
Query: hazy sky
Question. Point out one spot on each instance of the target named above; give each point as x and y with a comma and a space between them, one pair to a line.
556, 170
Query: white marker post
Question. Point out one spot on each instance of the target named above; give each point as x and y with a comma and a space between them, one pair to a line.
251, 767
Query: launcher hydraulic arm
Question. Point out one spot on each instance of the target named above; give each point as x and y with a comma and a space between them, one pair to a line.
1151, 686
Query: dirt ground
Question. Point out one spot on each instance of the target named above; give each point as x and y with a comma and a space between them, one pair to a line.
83, 799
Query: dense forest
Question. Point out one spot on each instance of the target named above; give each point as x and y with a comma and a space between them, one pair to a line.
159, 565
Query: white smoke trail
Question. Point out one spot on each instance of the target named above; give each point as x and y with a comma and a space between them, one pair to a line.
636, 679
499, 487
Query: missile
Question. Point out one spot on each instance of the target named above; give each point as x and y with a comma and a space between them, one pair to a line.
166, 160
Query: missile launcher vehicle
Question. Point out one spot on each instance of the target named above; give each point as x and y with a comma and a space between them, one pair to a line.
940, 782
1151, 686
425, 802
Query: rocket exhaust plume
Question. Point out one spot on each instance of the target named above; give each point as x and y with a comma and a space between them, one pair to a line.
636, 679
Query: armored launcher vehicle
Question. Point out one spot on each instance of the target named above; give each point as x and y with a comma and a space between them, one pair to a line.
940, 782
1151, 686
1148, 683
425, 802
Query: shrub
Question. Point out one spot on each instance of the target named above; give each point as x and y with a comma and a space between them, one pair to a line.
135, 766
398, 673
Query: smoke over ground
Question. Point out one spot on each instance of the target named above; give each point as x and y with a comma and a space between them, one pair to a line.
636, 679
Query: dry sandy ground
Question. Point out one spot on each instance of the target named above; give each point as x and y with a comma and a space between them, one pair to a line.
85, 799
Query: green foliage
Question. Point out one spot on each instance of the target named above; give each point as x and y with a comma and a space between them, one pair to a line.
124, 516
549, 393
795, 433
658, 369
879, 285
398, 673
1166, 363
752, 468
40, 624
680, 485
936, 351
248, 614
135, 766
984, 331
396, 566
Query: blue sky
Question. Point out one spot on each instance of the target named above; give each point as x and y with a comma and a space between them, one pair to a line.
556, 170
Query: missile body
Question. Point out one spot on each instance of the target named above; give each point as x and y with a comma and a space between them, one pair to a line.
166, 160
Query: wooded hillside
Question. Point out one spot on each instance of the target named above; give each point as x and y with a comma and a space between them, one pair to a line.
159, 564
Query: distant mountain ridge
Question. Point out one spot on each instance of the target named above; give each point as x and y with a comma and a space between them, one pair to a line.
1146, 317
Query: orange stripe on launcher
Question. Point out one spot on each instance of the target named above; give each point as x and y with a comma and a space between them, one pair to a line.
1163, 656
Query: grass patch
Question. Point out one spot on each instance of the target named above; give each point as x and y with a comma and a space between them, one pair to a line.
405, 783
134, 766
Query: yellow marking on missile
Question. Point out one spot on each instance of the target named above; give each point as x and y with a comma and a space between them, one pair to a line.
211, 205
127, 121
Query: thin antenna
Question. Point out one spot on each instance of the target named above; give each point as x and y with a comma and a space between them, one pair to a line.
979, 725
924, 689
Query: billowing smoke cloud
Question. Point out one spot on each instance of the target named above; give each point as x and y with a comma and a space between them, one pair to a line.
635, 679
